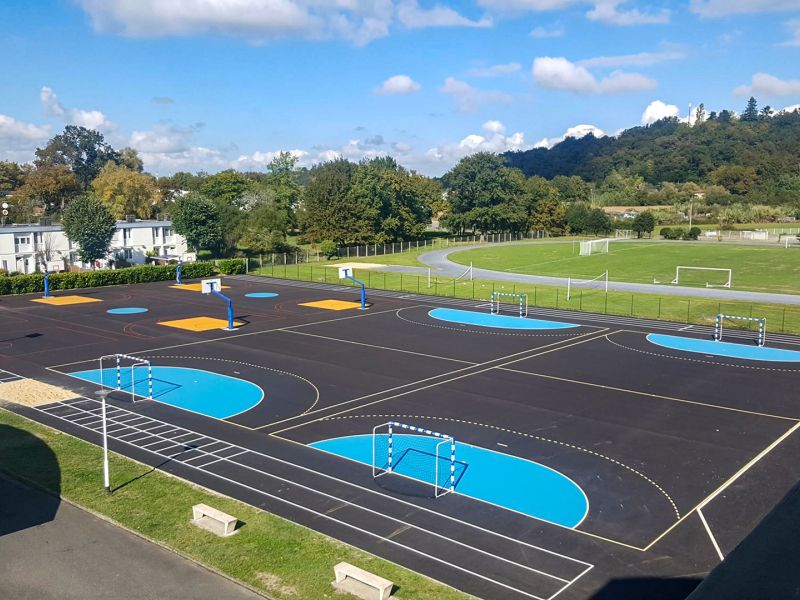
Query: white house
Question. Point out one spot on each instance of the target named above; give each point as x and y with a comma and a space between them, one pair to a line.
31, 248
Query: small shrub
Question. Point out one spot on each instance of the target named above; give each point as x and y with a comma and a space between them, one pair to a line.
693, 233
329, 249
231, 266
666, 233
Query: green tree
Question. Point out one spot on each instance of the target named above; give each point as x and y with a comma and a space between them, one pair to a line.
226, 187
129, 157
549, 215
576, 217
282, 180
598, 222
49, 187
126, 192
265, 225
83, 150
88, 223
737, 179
643, 223
700, 114
328, 212
197, 219
572, 188
750, 112
12, 176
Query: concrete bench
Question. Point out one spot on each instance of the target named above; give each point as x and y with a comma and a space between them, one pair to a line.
213, 520
361, 583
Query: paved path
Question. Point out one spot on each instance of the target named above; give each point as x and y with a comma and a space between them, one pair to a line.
439, 261
66, 553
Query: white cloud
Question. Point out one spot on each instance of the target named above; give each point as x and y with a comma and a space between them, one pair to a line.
259, 160
495, 70
494, 127
607, 11
257, 21
547, 32
642, 59
794, 28
398, 85
468, 98
412, 16
658, 110
401, 148
560, 74
12, 130
194, 158
91, 119
724, 8
768, 85
792, 108
577, 132
162, 138
493, 139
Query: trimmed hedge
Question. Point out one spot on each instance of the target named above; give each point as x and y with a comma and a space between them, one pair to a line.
29, 284
231, 266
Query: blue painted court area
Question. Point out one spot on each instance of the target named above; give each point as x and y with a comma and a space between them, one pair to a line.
507, 481
487, 319
747, 352
261, 295
199, 391
127, 310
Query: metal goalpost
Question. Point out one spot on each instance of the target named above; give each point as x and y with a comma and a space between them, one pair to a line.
762, 327
119, 368
680, 268
599, 282
496, 298
594, 247
416, 453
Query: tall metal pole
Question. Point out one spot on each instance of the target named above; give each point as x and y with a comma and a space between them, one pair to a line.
106, 478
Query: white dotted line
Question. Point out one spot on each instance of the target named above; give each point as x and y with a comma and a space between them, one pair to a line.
246, 364
528, 435
564, 335
697, 360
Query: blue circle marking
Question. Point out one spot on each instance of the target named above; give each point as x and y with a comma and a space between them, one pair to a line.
261, 295
487, 319
726, 349
127, 310
483, 474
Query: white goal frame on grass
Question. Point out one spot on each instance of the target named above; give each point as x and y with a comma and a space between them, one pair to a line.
135, 362
495, 303
762, 327
444, 449
623, 234
727, 284
590, 247
599, 282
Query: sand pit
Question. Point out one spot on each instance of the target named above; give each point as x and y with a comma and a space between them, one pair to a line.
356, 265
30, 392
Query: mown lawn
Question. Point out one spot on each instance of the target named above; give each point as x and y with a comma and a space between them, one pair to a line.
756, 268
284, 560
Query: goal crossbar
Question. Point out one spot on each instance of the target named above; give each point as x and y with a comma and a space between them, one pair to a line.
444, 478
496, 299
601, 282
590, 247
680, 268
762, 326
135, 362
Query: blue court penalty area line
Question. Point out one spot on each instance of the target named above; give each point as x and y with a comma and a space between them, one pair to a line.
261, 295
486, 319
726, 349
500, 479
204, 392
127, 310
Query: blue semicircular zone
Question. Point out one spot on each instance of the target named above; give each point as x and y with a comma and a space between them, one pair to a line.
261, 295
487, 319
495, 477
204, 392
727, 349
127, 310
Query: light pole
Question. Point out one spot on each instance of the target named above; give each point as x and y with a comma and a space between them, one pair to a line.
4, 214
102, 394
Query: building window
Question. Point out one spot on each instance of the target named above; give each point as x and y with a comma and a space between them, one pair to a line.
22, 240
128, 253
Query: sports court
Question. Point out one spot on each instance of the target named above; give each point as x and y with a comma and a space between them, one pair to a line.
509, 456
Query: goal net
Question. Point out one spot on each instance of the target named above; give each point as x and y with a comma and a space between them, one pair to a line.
744, 328
623, 234
416, 453
127, 373
703, 276
510, 302
597, 283
594, 247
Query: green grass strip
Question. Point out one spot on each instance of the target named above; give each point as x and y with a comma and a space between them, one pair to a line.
269, 553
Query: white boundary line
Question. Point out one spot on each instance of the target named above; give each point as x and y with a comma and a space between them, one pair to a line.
710, 535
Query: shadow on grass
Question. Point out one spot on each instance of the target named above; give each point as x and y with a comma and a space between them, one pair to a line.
27, 458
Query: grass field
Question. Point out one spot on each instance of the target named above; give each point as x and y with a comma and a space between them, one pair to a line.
756, 268
270, 554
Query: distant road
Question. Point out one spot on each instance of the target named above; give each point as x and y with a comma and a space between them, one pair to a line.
439, 262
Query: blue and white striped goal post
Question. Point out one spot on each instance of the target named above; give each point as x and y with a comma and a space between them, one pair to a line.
762, 327
391, 426
136, 362
494, 306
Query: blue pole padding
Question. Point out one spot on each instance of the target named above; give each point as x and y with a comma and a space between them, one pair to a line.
178, 279
46, 284
363, 291
230, 306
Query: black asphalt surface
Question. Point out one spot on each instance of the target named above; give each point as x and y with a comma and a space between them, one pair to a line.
650, 434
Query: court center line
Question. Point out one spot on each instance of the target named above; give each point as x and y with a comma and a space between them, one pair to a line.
710, 535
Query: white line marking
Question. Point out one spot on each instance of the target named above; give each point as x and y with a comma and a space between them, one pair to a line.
710, 535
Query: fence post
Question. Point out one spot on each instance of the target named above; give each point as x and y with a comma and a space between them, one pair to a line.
605, 308
632, 296
688, 311
783, 321
659, 308
417, 284
401, 282
557, 297
580, 301
473, 295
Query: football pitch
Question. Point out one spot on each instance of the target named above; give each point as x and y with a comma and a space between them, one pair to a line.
755, 268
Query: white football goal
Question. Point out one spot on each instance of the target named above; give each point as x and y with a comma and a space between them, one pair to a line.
623, 234
760, 334
597, 283
687, 275
126, 369
590, 247
416, 453
514, 303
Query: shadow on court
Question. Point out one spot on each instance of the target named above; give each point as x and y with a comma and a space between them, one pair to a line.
32, 459
649, 588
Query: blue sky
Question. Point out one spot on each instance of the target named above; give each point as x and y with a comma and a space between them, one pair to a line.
214, 84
